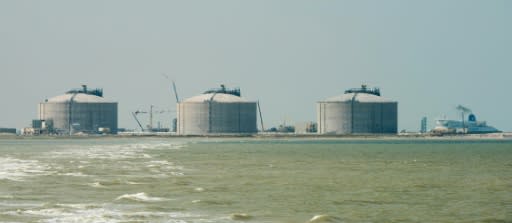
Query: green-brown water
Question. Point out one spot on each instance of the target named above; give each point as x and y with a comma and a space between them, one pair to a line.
253, 180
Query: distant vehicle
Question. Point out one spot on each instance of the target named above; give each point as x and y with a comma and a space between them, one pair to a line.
471, 126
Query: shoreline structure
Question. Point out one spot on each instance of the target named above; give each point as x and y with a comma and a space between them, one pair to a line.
264, 136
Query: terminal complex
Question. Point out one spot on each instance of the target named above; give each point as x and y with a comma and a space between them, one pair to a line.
218, 111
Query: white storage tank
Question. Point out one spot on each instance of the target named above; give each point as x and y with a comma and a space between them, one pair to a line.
80, 110
358, 111
217, 111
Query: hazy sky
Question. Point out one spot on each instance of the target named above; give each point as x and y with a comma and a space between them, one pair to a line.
430, 55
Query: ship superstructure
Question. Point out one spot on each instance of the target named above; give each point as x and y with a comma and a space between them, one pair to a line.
469, 126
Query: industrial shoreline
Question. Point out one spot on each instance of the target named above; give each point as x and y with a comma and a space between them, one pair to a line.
223, 112
265, 136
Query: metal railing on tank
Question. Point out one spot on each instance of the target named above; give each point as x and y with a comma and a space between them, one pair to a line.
224, 90
98, 91
364, 89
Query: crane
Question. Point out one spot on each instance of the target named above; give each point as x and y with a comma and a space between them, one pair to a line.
174, 121
137, 120
173, 87
175, 92
151, 112
261, 117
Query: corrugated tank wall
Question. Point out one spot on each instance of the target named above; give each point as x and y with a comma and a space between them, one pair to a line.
357, 118
390, 121
233, 117
88, 116
248, 120
216, 118
193, 118
91, 116
367, 118
334, 117
58, 112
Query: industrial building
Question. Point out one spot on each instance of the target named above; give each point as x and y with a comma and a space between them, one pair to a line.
78, 111
8, 131
358, 111
217, 111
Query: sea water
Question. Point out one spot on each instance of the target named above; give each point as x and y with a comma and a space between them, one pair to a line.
180, 180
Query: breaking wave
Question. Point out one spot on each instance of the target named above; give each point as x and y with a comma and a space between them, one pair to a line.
112, 152
142, 197
97, 185
97, 213
17, 169
324, 219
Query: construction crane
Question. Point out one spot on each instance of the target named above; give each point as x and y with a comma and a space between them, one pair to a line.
261, 117
151, 112
175, 92
137, 120
174, 121
173, 88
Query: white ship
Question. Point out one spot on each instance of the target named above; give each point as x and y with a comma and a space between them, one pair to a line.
471, 126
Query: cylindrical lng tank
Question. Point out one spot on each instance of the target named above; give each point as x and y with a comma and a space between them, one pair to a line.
358, 111
216, 113
80, 112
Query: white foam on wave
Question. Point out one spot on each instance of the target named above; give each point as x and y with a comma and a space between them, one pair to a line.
166, 215
167, 145
97, 185
134, 183
160, 174
18, 169
240, 216
142, 197
163, 167
199, 189
6, 196
164, 164
323, 218
73, 174
18, 204
112, 152
98, 213
79, 206
147, 156
52, 215
160, 163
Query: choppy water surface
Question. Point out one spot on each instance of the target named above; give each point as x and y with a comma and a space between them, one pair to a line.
229, 180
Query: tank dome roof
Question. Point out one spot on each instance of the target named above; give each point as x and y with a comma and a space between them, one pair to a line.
78, 98
359, 97
216, 97
363, 94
